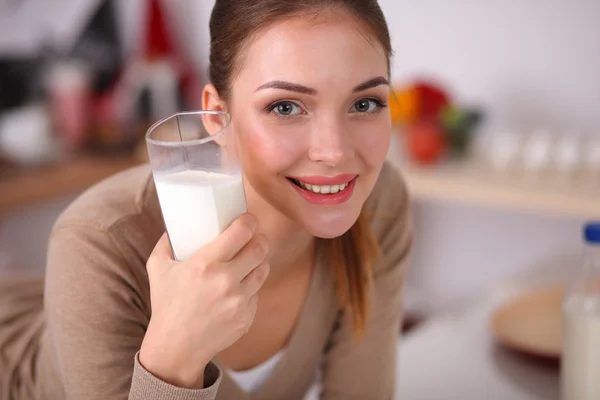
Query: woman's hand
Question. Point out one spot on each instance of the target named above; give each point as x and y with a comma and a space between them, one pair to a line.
203, 305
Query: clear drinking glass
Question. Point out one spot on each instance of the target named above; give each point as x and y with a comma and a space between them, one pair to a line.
198, 177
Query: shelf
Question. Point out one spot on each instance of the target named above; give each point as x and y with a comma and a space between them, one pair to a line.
24, 187
468, 184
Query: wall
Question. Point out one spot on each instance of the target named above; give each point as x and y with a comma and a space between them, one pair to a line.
531, 62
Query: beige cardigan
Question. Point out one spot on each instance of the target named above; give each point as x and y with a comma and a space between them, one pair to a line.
83, 343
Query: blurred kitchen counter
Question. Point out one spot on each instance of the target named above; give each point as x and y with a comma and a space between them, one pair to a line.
454, 356
22, 187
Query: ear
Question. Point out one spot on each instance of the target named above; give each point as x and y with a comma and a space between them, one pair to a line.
211, 99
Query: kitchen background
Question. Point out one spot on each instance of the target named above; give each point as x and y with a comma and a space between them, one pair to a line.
529, 69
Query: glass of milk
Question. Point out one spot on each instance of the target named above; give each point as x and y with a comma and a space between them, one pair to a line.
197, 176
580, 363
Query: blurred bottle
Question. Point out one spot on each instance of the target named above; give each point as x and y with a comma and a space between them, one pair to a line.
26, 136
580, 365
568, 155
69, 92
536, 157
498, 152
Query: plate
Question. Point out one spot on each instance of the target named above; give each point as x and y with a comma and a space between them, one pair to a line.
532, 322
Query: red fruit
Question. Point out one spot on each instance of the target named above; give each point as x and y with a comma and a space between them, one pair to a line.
426, 143
432, 99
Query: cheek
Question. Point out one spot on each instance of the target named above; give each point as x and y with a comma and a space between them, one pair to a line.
264, 153
374, 145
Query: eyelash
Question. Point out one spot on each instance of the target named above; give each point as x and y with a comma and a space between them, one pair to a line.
380, 104
269, 110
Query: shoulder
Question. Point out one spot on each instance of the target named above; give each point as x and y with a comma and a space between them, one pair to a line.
101, 241
109, 201
119, 216
390, 195
389, 211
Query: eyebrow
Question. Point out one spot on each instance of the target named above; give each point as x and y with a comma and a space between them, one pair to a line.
371, 83
290, 87
293, 87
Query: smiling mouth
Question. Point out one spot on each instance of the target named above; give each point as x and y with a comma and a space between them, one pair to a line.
321, 189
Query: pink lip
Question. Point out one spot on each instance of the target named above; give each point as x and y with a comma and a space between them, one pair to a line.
327, 199
325, 180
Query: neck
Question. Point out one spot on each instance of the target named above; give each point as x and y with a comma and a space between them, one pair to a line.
291, 247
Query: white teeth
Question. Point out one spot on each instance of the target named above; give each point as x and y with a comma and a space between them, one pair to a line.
325, 189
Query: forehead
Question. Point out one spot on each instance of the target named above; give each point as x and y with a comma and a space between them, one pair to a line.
313, 52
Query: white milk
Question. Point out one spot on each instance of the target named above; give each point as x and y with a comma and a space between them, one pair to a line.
580, 364
197, 206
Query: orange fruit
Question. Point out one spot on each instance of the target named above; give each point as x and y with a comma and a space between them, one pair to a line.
404, 105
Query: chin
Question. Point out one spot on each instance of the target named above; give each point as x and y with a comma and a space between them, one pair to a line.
329, 225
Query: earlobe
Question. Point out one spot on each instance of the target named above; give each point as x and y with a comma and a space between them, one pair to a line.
211, 99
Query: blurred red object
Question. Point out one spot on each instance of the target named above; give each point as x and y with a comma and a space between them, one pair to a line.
161, 45
432, 99
70, 94
108, 133
158, 39
160, 78
421, 99
426, 142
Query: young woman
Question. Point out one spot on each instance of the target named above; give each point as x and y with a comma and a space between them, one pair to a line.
305, 286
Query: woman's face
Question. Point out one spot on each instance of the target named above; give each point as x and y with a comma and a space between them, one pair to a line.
308, 112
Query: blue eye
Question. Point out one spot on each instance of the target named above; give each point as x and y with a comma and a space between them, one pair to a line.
367, 105
285, 108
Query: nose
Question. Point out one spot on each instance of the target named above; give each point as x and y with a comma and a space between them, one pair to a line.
331, 144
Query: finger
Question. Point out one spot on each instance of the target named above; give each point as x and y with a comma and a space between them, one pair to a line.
162, 250
232, 240
255, 279
253, 254
252, 307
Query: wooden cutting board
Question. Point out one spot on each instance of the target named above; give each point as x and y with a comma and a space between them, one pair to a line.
532, 322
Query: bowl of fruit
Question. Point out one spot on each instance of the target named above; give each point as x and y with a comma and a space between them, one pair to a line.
432, 125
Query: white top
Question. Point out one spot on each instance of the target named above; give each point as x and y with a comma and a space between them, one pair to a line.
251, 379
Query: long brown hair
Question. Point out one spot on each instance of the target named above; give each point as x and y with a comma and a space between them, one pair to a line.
233, 24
